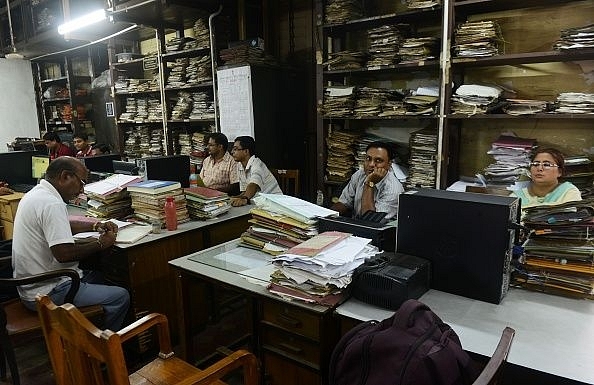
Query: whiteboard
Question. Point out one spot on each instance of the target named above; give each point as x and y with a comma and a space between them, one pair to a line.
17, 102
234, 90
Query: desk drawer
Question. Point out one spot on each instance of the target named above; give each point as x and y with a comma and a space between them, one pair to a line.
294, 347
7, 228
8, 209
291, 318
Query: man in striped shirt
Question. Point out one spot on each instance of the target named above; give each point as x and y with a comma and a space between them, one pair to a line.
219, 169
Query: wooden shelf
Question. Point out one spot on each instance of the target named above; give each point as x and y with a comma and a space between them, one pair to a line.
430, 64
525, 58
54, 80
200, 85
186, 53
521, 117
426, 15
485, 6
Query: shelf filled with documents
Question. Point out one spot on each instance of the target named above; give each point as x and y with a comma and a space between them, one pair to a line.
511, 72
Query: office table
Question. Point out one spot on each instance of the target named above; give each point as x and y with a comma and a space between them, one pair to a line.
292, 339
554, 334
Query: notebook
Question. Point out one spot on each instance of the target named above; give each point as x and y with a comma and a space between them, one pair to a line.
132, 233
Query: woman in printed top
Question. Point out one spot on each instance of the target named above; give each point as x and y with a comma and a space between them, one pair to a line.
547, 166
81, 143
55, 146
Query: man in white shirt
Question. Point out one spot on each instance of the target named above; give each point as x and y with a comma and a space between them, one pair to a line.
253, 174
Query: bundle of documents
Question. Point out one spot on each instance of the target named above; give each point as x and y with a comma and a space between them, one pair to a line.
339, 101
519, 107
478, 39
472, 99
115, 205
206, 203
512, 159
148, 200
319, 267
576, 38
418, 4
369, 101
340, 162
579, 170
575, 103
422, 101
345, 60
341, 11
201, 32
423, 159
559, 252
416, 49
281, 221
384, 43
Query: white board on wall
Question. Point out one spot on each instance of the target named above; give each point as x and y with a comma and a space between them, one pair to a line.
18, 110
234, 90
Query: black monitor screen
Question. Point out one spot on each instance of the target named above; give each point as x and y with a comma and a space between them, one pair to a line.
100, 163
126, 168
175, 168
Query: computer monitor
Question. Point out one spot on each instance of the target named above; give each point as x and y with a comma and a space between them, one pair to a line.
174, 167
100, 163
126, 168
39, 165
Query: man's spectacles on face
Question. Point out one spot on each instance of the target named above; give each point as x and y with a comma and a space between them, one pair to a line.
237, 149
82, 182
545, 165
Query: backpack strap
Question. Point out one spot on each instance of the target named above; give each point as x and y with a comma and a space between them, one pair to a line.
404, 315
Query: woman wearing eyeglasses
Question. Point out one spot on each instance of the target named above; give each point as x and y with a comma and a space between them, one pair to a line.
546, 168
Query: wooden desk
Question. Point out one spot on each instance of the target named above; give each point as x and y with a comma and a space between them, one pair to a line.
142, 267
554, 334
293, 339
8, 209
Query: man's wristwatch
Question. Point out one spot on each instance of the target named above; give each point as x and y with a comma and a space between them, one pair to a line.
370, 184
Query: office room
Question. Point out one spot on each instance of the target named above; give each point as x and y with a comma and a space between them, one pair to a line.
453, 137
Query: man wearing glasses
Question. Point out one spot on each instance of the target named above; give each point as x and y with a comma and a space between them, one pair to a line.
219, 170
546, 167
42, 241
253, 174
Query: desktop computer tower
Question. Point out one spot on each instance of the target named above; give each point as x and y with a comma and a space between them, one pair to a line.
174, 167
467, 237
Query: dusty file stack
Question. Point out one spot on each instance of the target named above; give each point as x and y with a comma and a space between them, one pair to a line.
108, 198
206, 203
558, 254
148, 200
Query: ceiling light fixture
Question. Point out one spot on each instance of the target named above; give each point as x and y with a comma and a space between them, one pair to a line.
14, 54
83, 21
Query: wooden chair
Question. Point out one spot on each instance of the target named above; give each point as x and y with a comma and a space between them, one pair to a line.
79, 352
491, 371
18, 321
288, 181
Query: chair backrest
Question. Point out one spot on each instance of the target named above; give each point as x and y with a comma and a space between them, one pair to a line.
288, 181
492, 371
77, 348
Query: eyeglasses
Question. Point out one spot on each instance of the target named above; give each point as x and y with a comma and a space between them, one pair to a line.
545, 165
237, 149
82, 182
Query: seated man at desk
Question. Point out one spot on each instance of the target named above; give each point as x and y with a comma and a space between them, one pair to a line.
219, 169
253, 174
81, 143
55, 146
42, 241
374, 187
100, 149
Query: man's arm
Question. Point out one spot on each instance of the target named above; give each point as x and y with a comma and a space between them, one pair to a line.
342, 209
244, 198
69, 252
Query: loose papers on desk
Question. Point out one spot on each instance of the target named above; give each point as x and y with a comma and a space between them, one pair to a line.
292, 207
326, 273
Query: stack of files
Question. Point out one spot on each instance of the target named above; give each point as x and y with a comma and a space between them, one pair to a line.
245, 53
341, 11
416, 49
319, 269
417, 4
201, 32
512, 159
575, 103
384, 44
206, 203
576, 38
423, 159
558, 254
182, 107
472, 99
579, 170
148, 200
339, 101
369, 101
477, 39
423, 101
519, 107
115, 205
110, 185
394, 103
345, 60
340, 162
282, 221
199, 70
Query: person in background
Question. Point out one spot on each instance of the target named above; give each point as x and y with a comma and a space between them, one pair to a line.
219, 169
374, 187
4, 189
43, 241
82, 145
55, 146
100, 149
253, 174
546, 167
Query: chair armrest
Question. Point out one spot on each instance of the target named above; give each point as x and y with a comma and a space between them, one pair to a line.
73, 274
491, 370
240, 358
145, 323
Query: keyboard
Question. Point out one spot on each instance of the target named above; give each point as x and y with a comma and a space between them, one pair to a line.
21, 187
359, 221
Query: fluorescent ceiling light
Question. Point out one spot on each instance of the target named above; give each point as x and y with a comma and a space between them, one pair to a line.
83, 21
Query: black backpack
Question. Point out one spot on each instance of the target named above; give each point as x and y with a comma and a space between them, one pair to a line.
414, 346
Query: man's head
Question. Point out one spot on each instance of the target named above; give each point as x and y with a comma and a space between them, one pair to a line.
378, 155
100, 149
68, 176
52, 140
243, 148
217, 144
80, 140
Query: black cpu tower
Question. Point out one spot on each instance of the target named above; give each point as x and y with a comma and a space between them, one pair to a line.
467, 237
